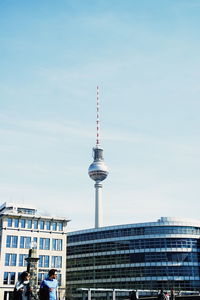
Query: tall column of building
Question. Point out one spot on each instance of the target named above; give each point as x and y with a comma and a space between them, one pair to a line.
98, 204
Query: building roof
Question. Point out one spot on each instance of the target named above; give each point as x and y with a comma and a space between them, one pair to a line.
163, 221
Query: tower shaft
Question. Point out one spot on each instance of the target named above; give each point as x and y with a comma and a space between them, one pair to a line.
98, 204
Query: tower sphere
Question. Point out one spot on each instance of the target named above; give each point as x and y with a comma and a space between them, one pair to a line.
98, 170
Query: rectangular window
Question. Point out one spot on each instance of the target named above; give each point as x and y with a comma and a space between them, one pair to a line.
60, 226
57, 244
10, 259
43, 261
9, 278
48, 225
54, 226
59, 279
25, 242
11, 241
41, 224
9, 222
13, 261
23, 223
16, 223
41, 276
35, 243
56, 261
5, 278
47, 244
29, 224
12, 277
44, 244
35, 224
8, 241
22, 261
46, 261
22, 241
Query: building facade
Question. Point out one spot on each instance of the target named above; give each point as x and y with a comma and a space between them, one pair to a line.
22, 228
146, 256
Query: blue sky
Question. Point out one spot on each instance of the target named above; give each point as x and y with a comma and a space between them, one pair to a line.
144, 55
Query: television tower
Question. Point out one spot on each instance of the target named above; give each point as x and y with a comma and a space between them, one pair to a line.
98, 171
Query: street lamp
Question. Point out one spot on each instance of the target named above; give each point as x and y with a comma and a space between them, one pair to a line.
32, 261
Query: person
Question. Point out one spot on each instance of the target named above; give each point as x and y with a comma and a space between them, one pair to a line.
161, 295
133, 295
166, 296
48, 287
22, 290
172, 295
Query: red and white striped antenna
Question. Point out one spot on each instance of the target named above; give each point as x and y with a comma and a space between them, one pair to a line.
98, 120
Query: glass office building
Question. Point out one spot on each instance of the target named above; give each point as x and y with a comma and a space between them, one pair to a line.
145, 256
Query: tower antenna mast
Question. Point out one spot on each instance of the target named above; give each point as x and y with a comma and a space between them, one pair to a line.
98, 170
98, 120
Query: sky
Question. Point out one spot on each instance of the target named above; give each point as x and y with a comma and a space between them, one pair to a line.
144, 56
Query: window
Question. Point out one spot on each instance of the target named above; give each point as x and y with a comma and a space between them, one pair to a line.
56, 261
56, 244
41, 224
54, 226
59, 279
44, 244
9, 222
23, 223
41, 276
29, 224
26, 211
48, 225
11, 241
16, 223
25, 242
35, 224
22, 261
40, 279
10, 259
35, 243
60, 226
5, 278
43, 261
9, 278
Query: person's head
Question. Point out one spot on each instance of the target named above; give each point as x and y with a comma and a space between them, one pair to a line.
24, 276
52, 273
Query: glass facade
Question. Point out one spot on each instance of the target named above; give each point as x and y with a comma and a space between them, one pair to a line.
146, 256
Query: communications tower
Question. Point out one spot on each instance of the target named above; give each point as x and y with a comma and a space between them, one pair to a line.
98, 171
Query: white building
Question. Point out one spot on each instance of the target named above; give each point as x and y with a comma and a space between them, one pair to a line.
21, 228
